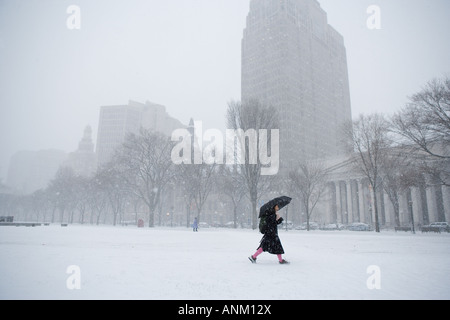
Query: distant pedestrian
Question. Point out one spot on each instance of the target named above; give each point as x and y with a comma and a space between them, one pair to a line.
195, 225
271, 242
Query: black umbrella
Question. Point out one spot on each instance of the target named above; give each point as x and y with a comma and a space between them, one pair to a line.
281, 202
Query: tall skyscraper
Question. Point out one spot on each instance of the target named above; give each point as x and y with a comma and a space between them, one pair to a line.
294, 60
117, 121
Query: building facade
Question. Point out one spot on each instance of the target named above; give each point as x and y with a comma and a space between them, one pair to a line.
294, 60
349, 198
33, 170
83, 161
116, 122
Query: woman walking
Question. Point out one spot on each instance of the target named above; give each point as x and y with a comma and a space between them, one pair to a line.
271, 242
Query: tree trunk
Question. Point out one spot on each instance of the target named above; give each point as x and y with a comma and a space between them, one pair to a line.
115, 218
235, 216
151, 217
307, 216
53, 214
397, 214
254, 215
188, 216
375, 206
61, 214
199, 213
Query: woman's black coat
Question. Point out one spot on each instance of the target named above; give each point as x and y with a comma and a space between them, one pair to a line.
271, 242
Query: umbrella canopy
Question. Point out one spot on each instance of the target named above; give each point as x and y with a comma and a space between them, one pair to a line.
281, 202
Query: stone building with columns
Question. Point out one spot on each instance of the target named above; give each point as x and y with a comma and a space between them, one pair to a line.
349, 199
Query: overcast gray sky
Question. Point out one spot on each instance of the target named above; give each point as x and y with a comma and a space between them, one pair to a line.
186, 55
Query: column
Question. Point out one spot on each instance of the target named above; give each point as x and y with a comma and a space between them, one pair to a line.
431, 201
404, 211
439, 203
349, 201
389, 211
344, 203
355, 201
446, 198
333, 205
338, 202
425, 217
362, 202
416, 206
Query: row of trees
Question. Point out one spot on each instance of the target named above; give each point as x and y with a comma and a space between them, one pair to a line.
393, 153
141, 177
139, 180
409, 149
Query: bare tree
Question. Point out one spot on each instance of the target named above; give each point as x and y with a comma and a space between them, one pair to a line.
370, 138
6, 201
230, 183
242, 117
188, 200
40, 204
81, 193
425, 122
97, 199
61, 189
399, 173
308, 179
197, 181
145, 164
115, 189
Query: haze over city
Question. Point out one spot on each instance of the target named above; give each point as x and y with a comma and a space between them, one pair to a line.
147, 147
185, 55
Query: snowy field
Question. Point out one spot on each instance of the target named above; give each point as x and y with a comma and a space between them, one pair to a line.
164, 264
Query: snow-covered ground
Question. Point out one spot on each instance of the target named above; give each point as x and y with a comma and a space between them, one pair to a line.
178, 264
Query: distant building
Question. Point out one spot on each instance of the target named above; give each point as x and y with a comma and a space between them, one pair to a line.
32, 170
83, 161
117, 121
6, 200
293, 60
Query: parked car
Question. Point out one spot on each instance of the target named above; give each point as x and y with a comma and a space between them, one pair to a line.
203, 225
359, 226
312, 226
443, 226
334, 226
329, 227
290, 225
230, 224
